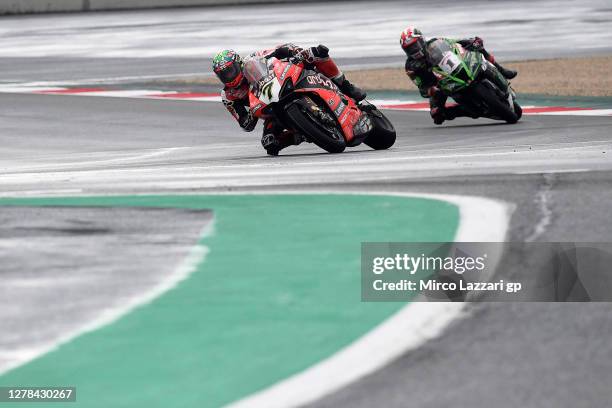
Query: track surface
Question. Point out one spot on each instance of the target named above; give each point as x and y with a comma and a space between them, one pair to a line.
557, 171
57, 145
121, 145
181, 42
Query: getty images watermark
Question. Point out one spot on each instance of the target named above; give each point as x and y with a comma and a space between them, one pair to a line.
477, 271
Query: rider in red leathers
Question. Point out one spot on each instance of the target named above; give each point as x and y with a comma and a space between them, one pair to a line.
228, 67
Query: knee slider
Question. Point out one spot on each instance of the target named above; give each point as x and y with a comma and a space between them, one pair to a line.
269, 140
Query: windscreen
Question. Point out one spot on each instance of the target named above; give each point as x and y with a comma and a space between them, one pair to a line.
255, 69
441, 54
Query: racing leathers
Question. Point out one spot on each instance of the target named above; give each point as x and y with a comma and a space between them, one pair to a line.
420, 72
275, 138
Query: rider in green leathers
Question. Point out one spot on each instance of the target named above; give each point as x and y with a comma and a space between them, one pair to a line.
419, 70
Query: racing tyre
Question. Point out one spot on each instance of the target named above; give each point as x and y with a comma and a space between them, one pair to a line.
497, 107
330, 139
383, 135
518, 110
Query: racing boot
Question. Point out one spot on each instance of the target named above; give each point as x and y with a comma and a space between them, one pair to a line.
507, 73
452, 112
275, 143
438, 115
349, 89
449, 113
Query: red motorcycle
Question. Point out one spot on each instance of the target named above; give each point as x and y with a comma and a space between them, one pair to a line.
307, 102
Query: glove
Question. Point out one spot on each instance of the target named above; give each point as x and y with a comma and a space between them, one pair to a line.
303, 54
247, 122
415, 65
320, 51
477, 44
282, 52
434, 92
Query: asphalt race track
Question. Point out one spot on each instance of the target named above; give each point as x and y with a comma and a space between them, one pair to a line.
555, 169
128, 145
555, 172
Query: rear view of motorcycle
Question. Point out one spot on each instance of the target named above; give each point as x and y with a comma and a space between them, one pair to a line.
473, 82
307, 102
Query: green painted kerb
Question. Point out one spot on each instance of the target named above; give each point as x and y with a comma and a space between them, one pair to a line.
278, 292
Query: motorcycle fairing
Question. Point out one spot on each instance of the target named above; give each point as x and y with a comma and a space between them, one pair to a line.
287, 77
345, 109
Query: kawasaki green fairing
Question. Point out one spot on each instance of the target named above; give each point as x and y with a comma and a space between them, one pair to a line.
454, 66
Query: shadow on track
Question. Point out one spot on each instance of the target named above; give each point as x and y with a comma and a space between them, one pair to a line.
311, 154
477, 125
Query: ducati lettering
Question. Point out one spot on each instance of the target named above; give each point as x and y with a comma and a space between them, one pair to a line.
365, 124
338, 111
319, 80
343, 119
282, 77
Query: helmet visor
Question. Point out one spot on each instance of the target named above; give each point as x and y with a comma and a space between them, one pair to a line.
416, 49
228, 73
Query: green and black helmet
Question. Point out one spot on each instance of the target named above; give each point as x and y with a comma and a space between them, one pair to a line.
227, 65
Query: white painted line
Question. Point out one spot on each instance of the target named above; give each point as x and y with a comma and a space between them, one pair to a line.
407, 330
196, 256
22, 193
544, 171
127, 93
543, 200
118, 79
28, 89
482, 219
394, 101
66, 164
35, 87
194, 99
592, 112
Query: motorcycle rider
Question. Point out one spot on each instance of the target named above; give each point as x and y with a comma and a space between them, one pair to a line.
420, 72
228, 67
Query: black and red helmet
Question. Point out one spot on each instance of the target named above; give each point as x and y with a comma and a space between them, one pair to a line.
413, 43
227, 65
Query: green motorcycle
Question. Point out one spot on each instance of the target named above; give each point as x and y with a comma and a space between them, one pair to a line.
473, 82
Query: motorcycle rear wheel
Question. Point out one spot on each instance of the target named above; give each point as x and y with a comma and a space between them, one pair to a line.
496, 106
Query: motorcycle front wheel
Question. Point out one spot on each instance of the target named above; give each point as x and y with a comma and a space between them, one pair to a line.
383, 136
328, 138
518, 110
